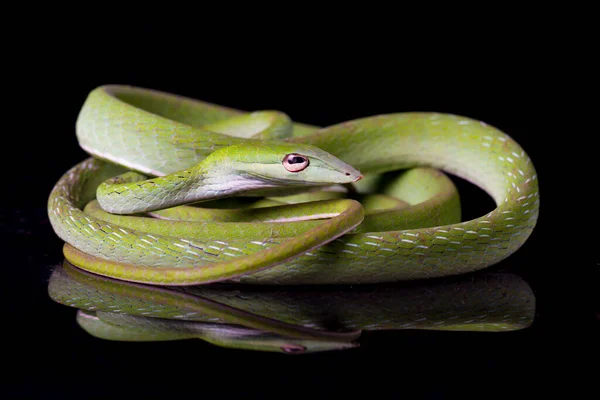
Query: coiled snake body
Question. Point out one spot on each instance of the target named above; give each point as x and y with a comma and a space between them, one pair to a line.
148, 205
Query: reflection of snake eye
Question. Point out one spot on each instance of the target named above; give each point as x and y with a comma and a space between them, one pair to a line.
293, 349
295, 162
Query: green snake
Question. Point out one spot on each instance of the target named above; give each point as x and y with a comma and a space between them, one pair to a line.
177, 191
286, 319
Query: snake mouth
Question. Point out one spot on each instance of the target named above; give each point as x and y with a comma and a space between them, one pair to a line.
358, 178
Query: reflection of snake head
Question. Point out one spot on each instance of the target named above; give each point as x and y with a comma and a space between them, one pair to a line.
135, 328
266, 341
280, 164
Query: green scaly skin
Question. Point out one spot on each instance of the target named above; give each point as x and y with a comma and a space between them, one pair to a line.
160, 135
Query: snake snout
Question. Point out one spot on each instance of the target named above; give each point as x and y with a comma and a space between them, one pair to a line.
352, 175
357, 178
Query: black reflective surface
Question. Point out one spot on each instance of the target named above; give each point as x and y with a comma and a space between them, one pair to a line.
380, 342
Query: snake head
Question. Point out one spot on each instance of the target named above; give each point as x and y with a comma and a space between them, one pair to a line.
284, 164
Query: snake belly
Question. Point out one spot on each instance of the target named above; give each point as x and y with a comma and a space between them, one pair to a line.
155, 133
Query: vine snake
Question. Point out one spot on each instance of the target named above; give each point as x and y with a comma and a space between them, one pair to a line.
150, 203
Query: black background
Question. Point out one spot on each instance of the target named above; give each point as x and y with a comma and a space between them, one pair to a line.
481, 73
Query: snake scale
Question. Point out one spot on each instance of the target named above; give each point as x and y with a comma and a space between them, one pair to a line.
177, 191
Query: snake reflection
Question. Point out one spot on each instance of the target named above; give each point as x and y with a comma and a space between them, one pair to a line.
291, 319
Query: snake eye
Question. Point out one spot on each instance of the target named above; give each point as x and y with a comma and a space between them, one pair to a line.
295, 162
